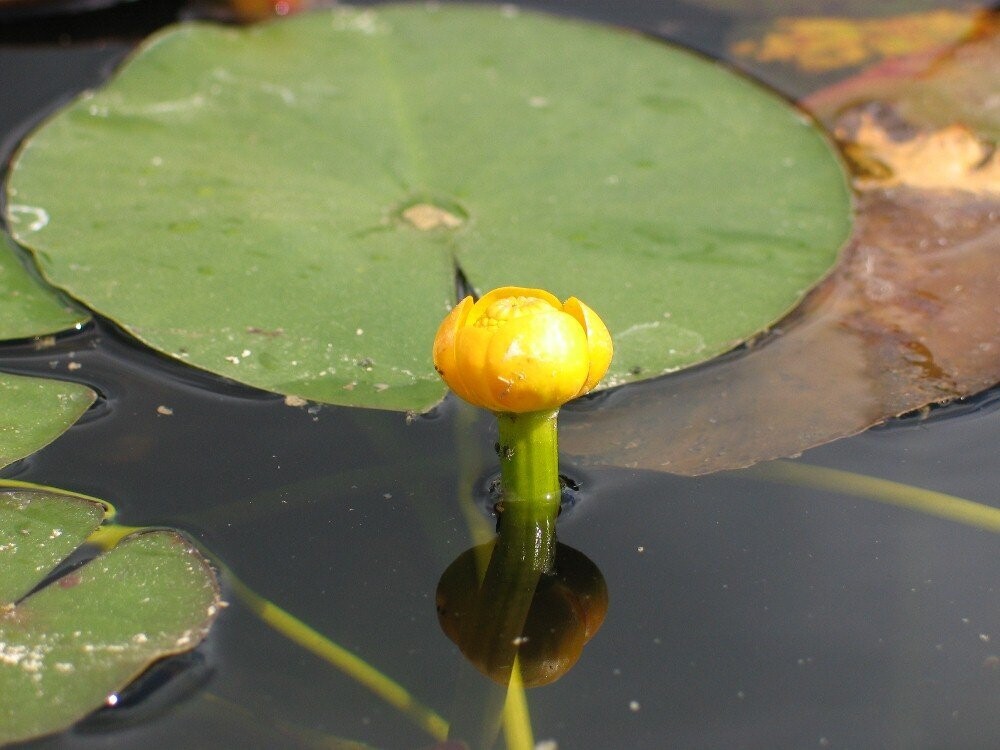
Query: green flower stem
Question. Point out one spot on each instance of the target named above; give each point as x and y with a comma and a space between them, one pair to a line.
481, 707
526, 542
490, 636
529, 479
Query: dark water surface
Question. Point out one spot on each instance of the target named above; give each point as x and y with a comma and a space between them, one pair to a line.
744, 614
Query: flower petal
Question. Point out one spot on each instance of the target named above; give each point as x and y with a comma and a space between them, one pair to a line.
444, 349
472, 345
598, 341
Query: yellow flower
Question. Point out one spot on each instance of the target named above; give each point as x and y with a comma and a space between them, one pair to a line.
521, 350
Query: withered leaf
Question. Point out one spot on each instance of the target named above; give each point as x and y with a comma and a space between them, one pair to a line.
823, 43
932, 89
952, 158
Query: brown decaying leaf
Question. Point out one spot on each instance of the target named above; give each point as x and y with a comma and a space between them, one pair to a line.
933, 88
820, 44
910, 317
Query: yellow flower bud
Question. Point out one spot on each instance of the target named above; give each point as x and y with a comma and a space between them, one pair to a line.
521, 350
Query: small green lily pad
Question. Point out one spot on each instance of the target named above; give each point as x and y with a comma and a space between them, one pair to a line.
37, 532
286, 205
68, 646
27, 307
35, 411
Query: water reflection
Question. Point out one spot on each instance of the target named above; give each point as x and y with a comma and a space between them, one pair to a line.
500, 610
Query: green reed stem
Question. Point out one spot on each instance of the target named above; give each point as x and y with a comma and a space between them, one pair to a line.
351, 664
902, 495
305, 636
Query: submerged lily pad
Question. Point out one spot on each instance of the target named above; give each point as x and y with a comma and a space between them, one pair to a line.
957, 84
823, 43
860, 8
286, 205
69, 645
35, 411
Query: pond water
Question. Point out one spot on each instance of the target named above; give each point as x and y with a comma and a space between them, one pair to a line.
743, 613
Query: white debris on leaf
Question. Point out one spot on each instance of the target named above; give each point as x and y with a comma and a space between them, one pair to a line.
32, 217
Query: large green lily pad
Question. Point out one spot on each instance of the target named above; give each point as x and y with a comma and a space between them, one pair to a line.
68, 646
35, 411
286, 205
